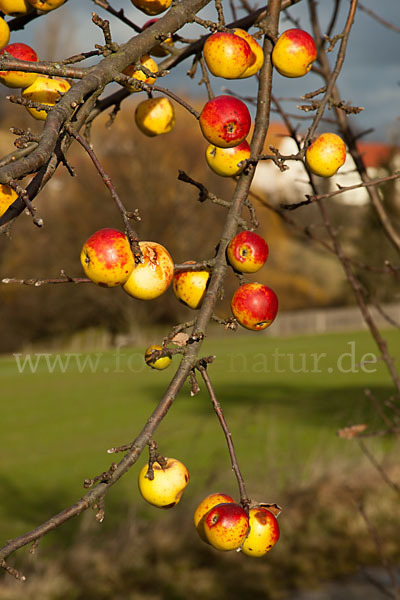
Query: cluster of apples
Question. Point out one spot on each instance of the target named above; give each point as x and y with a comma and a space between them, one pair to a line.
219, 520
107, 260
293, 56
225, 120
254, 305
38, 88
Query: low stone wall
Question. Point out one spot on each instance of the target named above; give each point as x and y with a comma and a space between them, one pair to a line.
331, 320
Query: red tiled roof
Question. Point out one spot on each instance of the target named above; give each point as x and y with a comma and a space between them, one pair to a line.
376, 154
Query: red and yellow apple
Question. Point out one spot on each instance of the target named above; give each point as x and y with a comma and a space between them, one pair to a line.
45, 90
131, 71
19, 79
190, 286
326, 155
7, 197
255, 306
160, 363
166, 488
155, 116
226, 526
247, 252
263, 533
46, 5
15, 7
159, 50
107, 258
294, 53
4, 33
152, 7
225, 161
258, 53
150, 279
205, 505
225, 121
227, 55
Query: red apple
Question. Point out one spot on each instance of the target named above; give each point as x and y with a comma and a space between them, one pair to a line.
263, 534
225, 121
294, 53
247, 252
106, 258
226, 526
19, 79
227, 55
205, 505
255, 306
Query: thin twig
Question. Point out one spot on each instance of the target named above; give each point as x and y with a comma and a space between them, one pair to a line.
244, 499
132, 235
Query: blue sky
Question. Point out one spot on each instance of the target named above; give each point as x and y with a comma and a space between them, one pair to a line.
370, 77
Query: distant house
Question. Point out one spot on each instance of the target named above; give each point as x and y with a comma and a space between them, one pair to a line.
292, 185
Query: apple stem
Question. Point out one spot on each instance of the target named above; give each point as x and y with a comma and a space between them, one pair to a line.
244, 499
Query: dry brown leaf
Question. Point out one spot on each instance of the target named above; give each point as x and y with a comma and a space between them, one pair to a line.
348, 433
180, 339
274, 508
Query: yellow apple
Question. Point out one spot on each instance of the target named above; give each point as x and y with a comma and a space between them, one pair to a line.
45, 90
263, 534
152, 7
7, 197
227, 55
224, 161
190, 286
106, 258
257, 51
4, 33
18, 79
205, 505
46, 5
166, 488
294, 53
150, 279
149, 64
15, 7
326, 155
156, 363
155, 116
226, 526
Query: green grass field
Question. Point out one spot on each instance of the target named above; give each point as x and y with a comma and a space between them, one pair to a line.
284, 400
